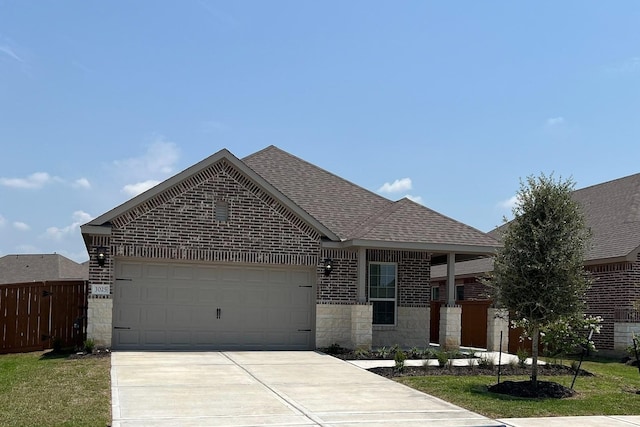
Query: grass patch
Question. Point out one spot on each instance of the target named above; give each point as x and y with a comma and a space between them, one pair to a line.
611, 391
40, 389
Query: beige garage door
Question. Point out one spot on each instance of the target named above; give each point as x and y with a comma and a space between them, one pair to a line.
194, 306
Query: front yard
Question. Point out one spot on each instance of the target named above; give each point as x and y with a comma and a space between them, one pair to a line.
44, 389
41, 389
610, 391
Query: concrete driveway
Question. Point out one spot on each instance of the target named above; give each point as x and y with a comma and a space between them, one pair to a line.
266, 389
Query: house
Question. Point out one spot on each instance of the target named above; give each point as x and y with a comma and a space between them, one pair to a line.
612, 212
40, 267
268, 252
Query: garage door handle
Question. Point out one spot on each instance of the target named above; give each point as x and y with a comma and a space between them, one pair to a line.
304, 330
218, 313
121, 327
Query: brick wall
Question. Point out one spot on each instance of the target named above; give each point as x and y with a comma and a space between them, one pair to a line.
341, 286
615, 286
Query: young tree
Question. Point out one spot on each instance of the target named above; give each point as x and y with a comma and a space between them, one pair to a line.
538, 274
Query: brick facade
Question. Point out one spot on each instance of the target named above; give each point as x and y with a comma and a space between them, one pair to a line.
341, 287
615, 285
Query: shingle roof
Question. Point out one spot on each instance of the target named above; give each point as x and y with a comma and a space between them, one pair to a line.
337, 203
354, 213
612, 212
39, 267
407, 221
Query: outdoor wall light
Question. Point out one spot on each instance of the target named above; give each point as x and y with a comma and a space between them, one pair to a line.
101, 255
328, 266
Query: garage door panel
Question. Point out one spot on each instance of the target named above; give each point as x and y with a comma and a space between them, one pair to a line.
157, 271
130, 294
155, 337
155, 295
129, 270
126, 338
259, 307
152, 315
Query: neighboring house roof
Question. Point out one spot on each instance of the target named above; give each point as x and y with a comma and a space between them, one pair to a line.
343, 212
612, 212
40, 267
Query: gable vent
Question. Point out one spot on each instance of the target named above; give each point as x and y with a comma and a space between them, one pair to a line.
222, 211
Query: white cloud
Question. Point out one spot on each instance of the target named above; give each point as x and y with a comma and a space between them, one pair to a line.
555, 121
78, 218
397, 186
417, 199
139, 187
33, 181
3, 221
22, 226
160, 158
82, 183
10, 53
509, 203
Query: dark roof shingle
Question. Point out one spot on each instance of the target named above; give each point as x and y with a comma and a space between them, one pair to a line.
40, 267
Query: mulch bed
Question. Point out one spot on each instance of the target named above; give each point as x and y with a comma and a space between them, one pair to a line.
523, 389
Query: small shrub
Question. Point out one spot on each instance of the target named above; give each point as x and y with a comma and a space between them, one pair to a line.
89, 345
362, 353
383, 353
57, 345
335, 348
522, 354
427, 354
399, 358
486, 362
443, 358
414, 353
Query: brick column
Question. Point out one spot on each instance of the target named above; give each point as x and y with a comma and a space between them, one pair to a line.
450, 327
361, 326
497, 321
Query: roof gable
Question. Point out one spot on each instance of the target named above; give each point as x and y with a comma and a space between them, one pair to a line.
182, 182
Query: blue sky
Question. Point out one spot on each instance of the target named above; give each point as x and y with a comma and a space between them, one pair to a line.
449, 102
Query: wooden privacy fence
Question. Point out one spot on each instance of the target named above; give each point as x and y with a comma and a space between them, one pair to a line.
35, 315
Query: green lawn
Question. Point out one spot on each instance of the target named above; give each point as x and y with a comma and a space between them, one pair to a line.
612, 391
39, 390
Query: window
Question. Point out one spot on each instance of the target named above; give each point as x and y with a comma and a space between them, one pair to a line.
382, 292
460, 293
435, 293
221, 211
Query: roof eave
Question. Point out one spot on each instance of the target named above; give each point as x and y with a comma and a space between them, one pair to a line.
429, 247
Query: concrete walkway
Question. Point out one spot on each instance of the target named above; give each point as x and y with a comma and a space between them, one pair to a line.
267, 389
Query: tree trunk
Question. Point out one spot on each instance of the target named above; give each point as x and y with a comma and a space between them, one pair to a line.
534, 356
